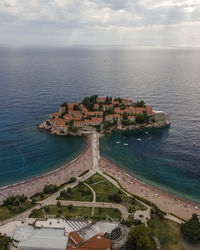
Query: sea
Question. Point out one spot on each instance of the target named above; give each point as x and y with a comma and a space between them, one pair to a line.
35, 81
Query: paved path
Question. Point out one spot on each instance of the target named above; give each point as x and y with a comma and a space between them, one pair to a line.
158, 246
94, 197
173, 218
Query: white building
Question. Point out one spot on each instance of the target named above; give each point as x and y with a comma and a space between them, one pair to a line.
29, 238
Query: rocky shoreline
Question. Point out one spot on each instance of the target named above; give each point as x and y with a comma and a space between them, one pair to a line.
45, 127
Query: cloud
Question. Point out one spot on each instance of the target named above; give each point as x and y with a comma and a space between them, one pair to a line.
99, 22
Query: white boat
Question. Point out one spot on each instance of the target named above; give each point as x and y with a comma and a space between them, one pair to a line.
125, 144
194, 144
147, 132
138, 139
118, 142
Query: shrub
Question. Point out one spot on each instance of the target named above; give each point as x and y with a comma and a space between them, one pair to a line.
140, 238
4, 241
115, 198
191, 229
58, 204
72, 179
49, 189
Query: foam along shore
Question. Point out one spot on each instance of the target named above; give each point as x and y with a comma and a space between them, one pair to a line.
165, 201
58, 176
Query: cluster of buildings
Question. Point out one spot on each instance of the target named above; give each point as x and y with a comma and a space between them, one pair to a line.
63, 235
78, 115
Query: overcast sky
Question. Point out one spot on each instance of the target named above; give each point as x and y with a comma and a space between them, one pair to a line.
100, 22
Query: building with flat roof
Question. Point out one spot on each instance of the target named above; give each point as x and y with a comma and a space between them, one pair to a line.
29, 238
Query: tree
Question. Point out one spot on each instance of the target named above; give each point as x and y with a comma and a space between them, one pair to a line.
115, 198
66, 106
4, 241
49, 189
191, 229
140, 103
76, 107
125, 116
140, 238
108, 100
58, 204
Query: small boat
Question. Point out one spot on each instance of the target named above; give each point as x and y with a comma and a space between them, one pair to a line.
138, 139
147, 132
125, 144
150, 137
194, 144
118, 142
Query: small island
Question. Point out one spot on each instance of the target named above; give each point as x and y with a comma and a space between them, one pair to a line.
103, 114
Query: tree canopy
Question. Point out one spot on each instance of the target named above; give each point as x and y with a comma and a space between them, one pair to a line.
140, 238
191, 229
140, 103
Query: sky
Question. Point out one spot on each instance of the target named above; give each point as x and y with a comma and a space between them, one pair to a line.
100, 22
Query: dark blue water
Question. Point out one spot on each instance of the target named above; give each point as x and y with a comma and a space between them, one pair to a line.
35, 81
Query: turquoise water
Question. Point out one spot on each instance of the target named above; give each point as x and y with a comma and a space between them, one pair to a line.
34, 82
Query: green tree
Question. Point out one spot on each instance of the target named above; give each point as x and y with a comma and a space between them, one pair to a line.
191, 229
4, 241
66, 106
125, 116
140, 238
140, 103
58, 204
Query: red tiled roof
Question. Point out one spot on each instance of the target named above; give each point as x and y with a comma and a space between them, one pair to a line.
95, 243
75, 237
56, 114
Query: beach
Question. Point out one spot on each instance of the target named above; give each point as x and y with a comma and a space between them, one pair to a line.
58, 176
167, 202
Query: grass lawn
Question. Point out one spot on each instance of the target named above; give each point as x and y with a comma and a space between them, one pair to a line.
104, 188
101, 213
67, 212
82, 193
5, 213
168, 233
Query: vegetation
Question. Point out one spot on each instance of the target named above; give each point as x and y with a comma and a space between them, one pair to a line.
105, 191
37, 213
17, 204
127, 123
167, 232
107, 124
140, 104
68, 212
79, 193
4, 241
140, 238
50, 189
101, 213
89, 102
142, 118
66, 106
191, 229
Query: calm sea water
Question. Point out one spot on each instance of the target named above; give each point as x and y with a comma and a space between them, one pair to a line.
33, 82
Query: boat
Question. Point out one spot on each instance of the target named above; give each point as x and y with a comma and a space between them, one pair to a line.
118, 142
138, 139
194, 144
147, 132
125, 144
